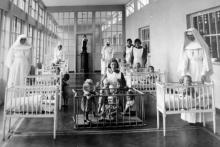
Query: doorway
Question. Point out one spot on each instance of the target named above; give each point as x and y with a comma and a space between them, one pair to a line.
90, 51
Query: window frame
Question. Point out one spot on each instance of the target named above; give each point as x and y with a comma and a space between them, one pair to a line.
193, 21
145, 39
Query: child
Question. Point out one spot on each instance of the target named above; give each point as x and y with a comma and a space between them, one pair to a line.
138, 68
65, 85
129, 101
88, 99
103, 99
150, 69
113, 103
187, 81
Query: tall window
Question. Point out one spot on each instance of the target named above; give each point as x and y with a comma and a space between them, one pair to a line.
22, 4
33, 8
65, 29
17, 28
208, 24
130, 8
144, 35
84, 18
142, 3
108, 28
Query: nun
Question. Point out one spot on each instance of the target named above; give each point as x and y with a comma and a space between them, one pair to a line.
18, 60
195, 61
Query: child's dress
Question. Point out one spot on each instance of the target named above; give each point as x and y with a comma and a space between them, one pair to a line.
87, 100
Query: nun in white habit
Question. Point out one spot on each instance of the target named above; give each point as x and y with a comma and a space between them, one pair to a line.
195, 61
18, 61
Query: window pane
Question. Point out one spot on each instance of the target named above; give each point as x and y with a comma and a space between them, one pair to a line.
206, 24
200, 24
212, 23
214, 47
218, 21
218, 46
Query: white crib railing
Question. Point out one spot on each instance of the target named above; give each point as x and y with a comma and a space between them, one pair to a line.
145, 82
30, 102
174, 98
46, 80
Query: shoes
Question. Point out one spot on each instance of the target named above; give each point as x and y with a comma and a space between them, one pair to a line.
86, 121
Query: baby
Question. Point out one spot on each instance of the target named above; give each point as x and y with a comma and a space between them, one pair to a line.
187, 81
150, 69
137, 68
88, 100
129, 101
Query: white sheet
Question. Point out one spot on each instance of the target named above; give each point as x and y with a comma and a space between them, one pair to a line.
31, 103
178, 101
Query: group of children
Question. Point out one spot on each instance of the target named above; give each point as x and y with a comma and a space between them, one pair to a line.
109, 103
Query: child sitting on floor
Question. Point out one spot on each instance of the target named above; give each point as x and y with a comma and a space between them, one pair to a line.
88, 100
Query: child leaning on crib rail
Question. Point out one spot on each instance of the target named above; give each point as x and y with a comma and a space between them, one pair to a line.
187, 81
129, 102
88, 103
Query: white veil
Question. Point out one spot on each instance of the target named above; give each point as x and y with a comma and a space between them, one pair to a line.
207, 66
16, 45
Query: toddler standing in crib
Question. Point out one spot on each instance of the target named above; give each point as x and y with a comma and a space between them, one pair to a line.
88, 99
187, 81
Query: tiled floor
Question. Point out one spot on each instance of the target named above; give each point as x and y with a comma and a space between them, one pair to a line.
38, 132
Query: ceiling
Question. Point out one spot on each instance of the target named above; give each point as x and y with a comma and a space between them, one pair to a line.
50, 3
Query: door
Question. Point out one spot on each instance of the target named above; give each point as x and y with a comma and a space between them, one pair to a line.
79, 38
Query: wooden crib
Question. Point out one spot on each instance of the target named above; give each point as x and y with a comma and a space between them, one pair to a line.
30, 102
175, 98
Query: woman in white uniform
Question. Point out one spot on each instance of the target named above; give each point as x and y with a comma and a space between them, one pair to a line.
195, 61
58, 54
128, 52
139, 54
114, 75
18, 61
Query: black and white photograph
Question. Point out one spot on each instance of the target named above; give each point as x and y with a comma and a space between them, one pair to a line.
109, 73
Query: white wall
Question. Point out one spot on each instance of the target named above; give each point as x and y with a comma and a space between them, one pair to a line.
167, 21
